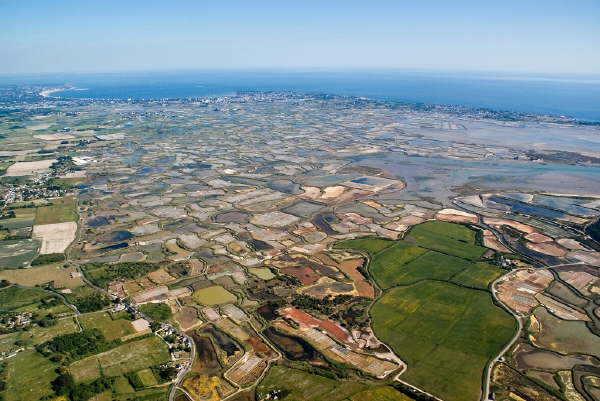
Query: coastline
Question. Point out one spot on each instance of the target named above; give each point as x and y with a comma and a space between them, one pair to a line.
48, 92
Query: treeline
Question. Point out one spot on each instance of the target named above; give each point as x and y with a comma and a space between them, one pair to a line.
326, 305
48, 258
412, 393
102, 274
7, 215
3, 376
48, 320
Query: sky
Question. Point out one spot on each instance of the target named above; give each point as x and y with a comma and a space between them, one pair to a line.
543, 36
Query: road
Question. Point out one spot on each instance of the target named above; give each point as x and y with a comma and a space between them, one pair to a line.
519, 320
490, 366
183, 372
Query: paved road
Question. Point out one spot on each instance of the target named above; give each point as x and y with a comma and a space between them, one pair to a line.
519, 320
488, 373
183, 372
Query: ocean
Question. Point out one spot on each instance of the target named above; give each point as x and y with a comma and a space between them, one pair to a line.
573, 96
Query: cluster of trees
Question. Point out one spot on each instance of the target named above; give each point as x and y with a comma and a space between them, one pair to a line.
49, 302
326, 305
48, 258
64, 385
48, 320
102, 274
412, 393
91, 303
58, 184
63, 162
7, 215
348, 309
73, 346
164, 373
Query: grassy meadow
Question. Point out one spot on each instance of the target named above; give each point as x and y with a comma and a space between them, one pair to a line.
112, 329
129, 357
60, 210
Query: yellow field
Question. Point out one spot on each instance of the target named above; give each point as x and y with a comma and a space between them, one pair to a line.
41, 275
214, 295
147, 377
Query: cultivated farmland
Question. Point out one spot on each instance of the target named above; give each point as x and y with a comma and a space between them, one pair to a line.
436, 312
60, 210
445, 333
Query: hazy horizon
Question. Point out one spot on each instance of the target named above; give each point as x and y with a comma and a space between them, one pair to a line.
513, 37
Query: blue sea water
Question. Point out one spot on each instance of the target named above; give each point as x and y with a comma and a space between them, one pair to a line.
573, 96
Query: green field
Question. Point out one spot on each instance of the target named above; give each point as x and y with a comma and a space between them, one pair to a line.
28, 376
303, 386
214, 295
101, 274
61, 210
404, 264
436, 311
23, 299
397, 255
445, 333
450, 238
478, 275
112, 329
157, 312
38, 335
125, 358
430, 265
370, 245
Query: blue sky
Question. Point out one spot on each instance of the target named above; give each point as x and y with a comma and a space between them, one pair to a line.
544, 36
